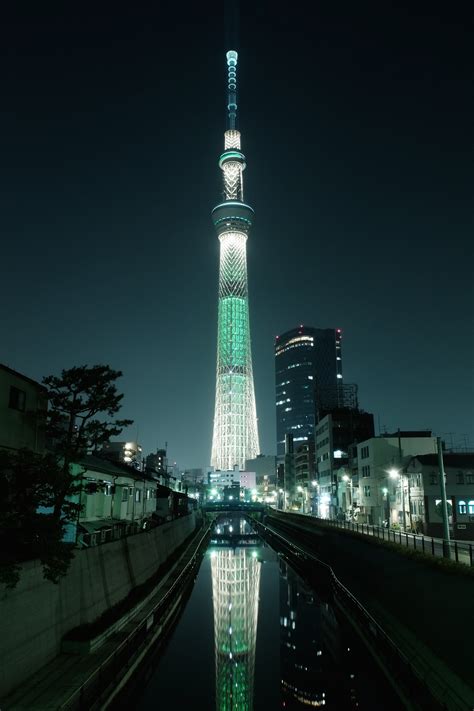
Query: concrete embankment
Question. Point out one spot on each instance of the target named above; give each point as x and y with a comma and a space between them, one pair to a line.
428, 612
37, 614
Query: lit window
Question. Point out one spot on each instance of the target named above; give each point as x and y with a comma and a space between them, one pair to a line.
310, 377
462, 508
471, 507
339, 375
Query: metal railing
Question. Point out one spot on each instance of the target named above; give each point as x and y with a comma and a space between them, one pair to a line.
419, 682
459, 551
89, 693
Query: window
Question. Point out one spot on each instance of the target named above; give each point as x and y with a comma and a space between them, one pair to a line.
471, 507
460, 478
433, 478
124, 494
366, 470
148, 494
108, 489
415, 480
138, 495
421, 507
17, 399
469, 478
462, 508
367, 490
364, 452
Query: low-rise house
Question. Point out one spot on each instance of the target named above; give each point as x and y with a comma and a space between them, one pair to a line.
423, 509
23, 406
380, 496
116, 499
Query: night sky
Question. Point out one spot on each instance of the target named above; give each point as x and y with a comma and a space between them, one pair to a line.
356, 126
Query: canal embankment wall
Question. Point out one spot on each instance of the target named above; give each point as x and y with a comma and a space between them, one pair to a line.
37, 614
427, 611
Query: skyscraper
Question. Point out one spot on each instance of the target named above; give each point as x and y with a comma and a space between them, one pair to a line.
308, 375
235, 437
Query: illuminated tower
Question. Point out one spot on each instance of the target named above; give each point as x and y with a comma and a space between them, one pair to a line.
235, 437
235, 587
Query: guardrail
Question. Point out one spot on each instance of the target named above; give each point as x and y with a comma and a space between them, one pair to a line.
460, 551
88, 695
426, 687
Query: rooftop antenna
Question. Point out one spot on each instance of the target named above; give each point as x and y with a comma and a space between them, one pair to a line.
232, 57
232, 40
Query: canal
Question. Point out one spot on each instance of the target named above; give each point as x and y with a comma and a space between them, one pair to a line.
254, 635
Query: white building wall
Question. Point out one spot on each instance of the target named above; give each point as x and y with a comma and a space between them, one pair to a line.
376, 457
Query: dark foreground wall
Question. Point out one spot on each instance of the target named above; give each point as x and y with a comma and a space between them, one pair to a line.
408, 598
37, 614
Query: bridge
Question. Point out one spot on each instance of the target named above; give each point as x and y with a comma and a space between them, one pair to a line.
245, 507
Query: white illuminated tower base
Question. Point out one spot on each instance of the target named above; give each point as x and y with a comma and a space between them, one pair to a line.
235, 437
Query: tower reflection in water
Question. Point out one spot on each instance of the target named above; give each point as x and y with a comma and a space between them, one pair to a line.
235, 589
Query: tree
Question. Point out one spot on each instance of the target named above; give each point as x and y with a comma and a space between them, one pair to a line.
27, 528
81, 402
39, 491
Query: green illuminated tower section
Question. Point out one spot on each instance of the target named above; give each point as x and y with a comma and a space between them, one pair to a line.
235, 587
235, 437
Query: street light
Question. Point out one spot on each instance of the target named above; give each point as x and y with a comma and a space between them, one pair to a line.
348, 480
387, 504
302, 490
396, 474
314, 497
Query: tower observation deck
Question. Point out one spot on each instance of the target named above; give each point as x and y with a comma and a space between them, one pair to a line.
235, 436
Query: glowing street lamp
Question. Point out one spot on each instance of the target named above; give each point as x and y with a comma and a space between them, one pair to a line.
396, 474
387, 504
348, 480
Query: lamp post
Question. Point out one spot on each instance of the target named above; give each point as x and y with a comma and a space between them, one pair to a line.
444, 503
348, 480
314, 497
396, 474
300, 490
281, 499
387, 511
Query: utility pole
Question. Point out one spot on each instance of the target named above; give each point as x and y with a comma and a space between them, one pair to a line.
402, 483
444, 504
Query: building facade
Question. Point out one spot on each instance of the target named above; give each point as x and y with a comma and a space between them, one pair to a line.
235, 436
335, 432
381, 497
422, 504
127, 452
23, 407
308, 375
264, 466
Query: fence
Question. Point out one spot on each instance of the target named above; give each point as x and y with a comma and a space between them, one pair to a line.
460, 551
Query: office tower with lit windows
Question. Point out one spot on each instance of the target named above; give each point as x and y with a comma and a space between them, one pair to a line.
308, 377
235, 436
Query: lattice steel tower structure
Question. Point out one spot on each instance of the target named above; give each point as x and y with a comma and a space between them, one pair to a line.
235, 437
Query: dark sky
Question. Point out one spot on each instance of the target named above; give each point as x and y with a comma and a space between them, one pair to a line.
355, 122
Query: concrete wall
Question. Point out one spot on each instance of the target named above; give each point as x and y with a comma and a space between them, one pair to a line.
23, 426
37, 614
